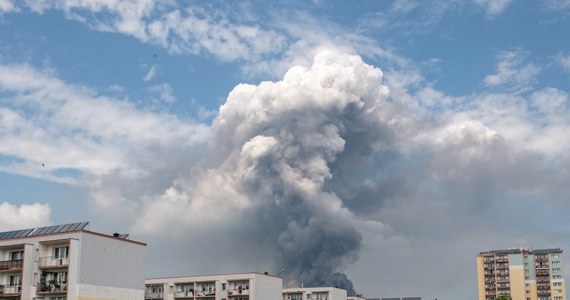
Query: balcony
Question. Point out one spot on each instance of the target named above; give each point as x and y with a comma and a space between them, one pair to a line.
238, 292
205, 294
183, 294
53, 262
542, 273
10, 291
502, 259
543, 292
542, 279
54, 288
153, 295
11, 265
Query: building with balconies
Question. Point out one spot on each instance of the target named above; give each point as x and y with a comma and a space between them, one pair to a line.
314, 293
70, 262
245, 286
521, 274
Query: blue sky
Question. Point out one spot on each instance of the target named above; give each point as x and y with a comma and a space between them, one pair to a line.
374, 135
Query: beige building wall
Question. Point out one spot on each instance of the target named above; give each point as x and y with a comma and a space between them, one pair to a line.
518, 290
480, 278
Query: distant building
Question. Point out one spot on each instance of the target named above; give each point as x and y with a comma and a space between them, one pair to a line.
521, 274
246, 286
314, 293
70, 262
357, 297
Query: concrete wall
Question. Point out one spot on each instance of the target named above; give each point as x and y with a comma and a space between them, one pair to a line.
267, 287
112, 262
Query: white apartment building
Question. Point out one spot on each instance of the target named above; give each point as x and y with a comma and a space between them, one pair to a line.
70, 262
245, 286
314, 293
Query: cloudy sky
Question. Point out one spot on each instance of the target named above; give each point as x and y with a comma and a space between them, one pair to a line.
375, 145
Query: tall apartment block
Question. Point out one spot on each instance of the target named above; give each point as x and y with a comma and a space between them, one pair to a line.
245, 286
314, 293
70, 262
521, 274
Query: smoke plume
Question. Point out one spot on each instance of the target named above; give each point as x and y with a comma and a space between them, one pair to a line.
281, 141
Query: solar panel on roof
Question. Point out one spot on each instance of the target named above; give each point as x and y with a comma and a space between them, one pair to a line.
43, 230
24, 233
51, 229
40, 231
66, 227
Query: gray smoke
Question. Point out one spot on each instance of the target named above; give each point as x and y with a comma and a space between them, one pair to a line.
284, 141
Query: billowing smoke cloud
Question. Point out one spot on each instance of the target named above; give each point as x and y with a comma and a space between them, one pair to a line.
280, 143
283, 138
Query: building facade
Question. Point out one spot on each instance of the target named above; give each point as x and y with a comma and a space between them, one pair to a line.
521, 274
245, 286
314, 293
70, 262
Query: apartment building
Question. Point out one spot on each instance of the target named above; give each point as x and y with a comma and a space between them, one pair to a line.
70, 262
314, 293
521, 274
245, 286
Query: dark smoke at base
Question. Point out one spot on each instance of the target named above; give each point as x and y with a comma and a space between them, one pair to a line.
311, 253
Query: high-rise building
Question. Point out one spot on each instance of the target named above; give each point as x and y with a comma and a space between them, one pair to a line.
521, 274
70, 262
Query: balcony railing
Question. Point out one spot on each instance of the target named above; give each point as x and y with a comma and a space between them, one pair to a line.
155, 295
237, 292
11, 264
51, 288
205, 293
184, 294
53, 262
10, 290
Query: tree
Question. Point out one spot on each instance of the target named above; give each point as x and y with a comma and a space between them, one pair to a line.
503, 297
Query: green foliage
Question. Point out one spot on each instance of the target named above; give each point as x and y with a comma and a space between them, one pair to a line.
503, 297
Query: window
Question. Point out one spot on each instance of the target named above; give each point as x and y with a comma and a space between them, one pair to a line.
557, 283
555, 255
321, 296
17, 255
556, 276
557, 270
223, 286
558, 291
556, 263
15, 280
61, 252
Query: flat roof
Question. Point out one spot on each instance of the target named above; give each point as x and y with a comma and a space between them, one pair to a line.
59, 229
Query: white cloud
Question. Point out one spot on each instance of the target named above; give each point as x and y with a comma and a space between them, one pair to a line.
24, 216
511, 70
493, 7
150, 73
185, 30
557, 5
45, 120
6, 6
164, 92
550, 100
564, 61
